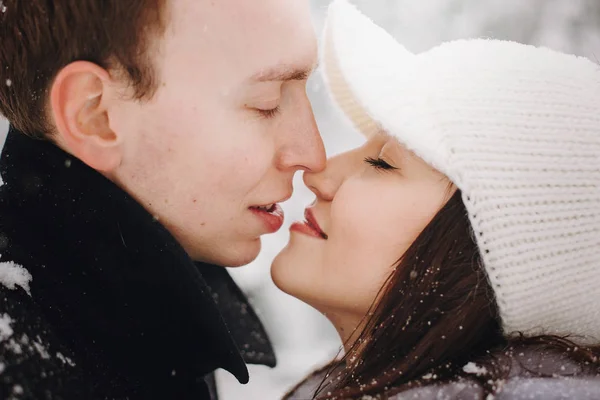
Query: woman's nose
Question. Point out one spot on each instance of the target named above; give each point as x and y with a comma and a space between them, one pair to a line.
325, 184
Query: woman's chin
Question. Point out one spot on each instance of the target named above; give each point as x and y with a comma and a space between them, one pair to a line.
280, 267
290, 273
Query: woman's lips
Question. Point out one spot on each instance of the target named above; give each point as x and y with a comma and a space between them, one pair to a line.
309, 227
272, 218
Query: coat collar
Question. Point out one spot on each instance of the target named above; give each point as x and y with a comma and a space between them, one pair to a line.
114, 282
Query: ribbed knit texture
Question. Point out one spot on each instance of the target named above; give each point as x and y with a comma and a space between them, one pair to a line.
517, 129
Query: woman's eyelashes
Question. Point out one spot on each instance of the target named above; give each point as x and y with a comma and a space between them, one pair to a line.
379, 164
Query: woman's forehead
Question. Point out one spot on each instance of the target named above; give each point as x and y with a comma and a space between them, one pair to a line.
382, 137
391, 144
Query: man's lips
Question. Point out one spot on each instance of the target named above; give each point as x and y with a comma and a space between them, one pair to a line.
272, 217
271, 214
309, 227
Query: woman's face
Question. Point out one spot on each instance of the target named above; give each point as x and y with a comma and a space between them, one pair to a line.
372, 203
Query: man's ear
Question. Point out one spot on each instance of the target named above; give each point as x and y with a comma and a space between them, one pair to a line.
79, 110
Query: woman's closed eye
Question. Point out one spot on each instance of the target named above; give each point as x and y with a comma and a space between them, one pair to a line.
380, 164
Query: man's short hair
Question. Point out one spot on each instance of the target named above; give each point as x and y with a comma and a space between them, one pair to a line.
40, 37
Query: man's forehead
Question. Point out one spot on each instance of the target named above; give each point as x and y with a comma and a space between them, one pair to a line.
280, 41
269, 40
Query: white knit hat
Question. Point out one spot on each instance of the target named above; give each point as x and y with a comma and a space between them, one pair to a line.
517, 129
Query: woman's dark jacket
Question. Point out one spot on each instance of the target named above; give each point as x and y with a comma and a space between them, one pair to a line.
533, 374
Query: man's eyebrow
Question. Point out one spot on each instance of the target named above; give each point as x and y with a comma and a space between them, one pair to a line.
284, 73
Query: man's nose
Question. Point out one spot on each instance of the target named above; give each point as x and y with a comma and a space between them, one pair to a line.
303, 148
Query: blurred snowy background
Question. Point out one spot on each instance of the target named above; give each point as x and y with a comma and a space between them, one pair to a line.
303, 339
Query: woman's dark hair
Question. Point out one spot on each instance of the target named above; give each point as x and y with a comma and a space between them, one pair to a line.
435, 313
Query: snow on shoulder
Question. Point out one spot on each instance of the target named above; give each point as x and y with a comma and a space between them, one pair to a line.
13, 275
5, 327
472, 368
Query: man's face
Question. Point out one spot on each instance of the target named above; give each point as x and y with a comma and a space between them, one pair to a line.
228, 127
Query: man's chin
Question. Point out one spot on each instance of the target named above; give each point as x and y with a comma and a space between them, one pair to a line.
246, 254
234, 255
